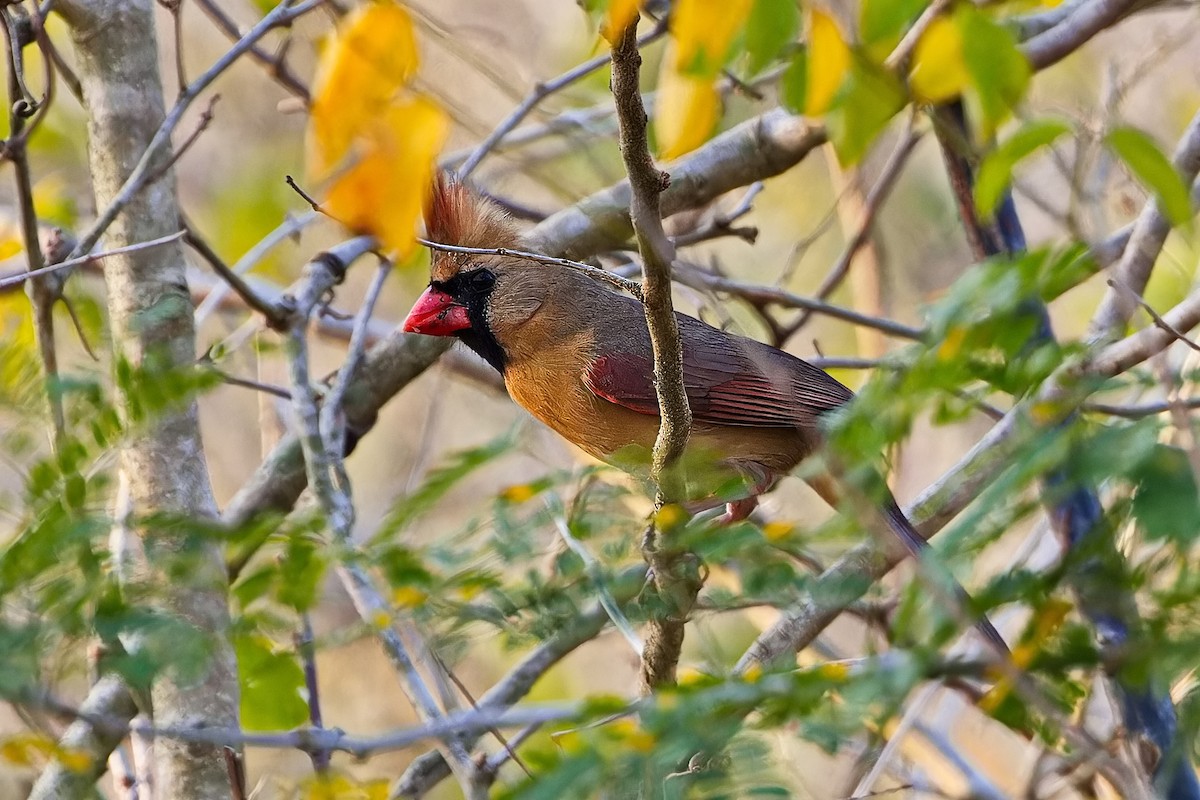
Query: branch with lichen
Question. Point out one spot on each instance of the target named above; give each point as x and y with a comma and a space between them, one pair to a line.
676, 573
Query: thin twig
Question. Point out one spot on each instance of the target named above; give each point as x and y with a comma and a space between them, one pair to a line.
540, 92
322, 445
276, 65
43, 294
288, 229
1154, 315
21, 277
206, 118
282, 14
306, 647
275, 317
756, 294
592, 567
325, 739
862, 232
616, 281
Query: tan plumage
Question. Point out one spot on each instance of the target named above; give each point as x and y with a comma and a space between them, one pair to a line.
578, 357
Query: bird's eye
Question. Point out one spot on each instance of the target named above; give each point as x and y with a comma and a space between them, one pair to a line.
482, 280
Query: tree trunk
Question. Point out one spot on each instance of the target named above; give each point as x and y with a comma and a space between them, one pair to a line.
151, 317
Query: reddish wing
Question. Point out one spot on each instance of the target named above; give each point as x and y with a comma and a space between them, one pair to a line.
729, 381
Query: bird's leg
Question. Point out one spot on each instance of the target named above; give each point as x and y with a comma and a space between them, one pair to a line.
738, 510
759, 481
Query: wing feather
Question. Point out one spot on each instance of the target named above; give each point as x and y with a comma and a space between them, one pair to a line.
729, 381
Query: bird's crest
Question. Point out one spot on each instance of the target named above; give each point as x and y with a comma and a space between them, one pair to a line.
456, 215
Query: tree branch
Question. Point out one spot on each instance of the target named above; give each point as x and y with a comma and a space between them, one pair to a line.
676, 574
1146, 241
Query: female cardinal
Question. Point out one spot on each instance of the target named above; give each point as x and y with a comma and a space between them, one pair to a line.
578, 357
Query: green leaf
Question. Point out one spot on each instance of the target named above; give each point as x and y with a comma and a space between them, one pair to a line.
995, 172
773, 25
301, 568
1146, 161
867, 101
438, 483
271, 683
881, 24
795, 82
999, 72
1166, 503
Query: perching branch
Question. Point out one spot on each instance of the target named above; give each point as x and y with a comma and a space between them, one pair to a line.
677, 578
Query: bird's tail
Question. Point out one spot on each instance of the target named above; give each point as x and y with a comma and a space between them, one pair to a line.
918, 548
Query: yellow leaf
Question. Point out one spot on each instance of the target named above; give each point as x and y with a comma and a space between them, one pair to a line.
371, 57
53, 202
952, 344
688, 108
752, 673
939, 70
34, 749
670, 517
383, 193
778, 531
381, 619
519, 493
74, 760
23, 750
409, 596
828, 62
617, 17
702, 32
571, 741
834, 671
632, 735
690, 676
10, 246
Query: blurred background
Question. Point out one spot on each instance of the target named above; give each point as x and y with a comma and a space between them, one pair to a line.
479, 59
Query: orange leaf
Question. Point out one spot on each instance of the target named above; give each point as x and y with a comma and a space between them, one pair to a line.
371, 57
688, 108
703, 31
384, 191
828, 62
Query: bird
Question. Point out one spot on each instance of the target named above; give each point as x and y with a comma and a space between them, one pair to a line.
577, 356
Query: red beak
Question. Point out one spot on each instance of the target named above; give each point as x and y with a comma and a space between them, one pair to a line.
436, 313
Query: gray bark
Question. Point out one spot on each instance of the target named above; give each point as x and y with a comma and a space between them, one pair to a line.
151, 316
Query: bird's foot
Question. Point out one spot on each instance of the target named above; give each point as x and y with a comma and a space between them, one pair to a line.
738, 510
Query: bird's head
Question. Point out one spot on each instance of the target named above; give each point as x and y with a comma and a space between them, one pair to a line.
479, 298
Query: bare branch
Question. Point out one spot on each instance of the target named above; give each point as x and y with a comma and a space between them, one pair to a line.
540, 92
1145, 243
109, 698
18, 278
322, 442
676, 574
149, 162
862, 231
1053, 45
